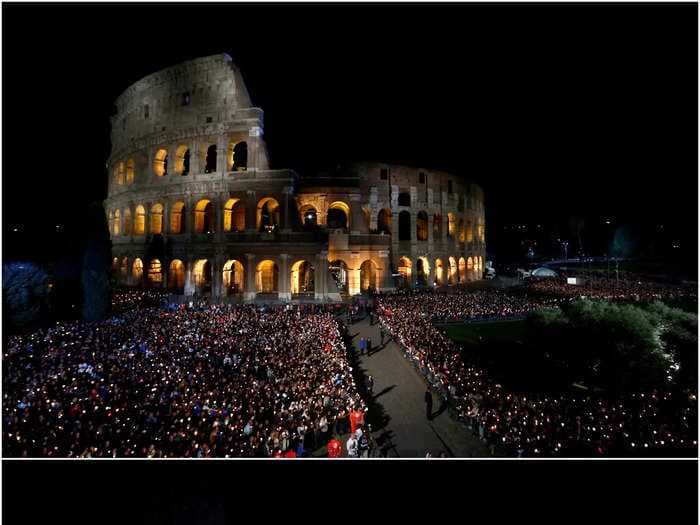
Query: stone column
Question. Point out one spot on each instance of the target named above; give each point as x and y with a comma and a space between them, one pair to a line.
321, 276
195, 159
219, 207
171, 161
221, 152
357, 220
251, 211
249, 285
217, 266
189, 216
189, 276
283, 292
387, 281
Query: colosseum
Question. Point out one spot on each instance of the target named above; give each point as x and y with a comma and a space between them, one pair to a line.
193, 206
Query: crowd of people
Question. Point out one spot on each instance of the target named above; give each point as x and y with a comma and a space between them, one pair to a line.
194, 380
609, 289
521, 424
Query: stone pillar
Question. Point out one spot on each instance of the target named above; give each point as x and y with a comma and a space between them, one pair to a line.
217, 266
283, 292
189, 276
286, 227
221, 151
357, 219
249, 285
189, 216
171, 161
395, 237
219, 207
321, 276
387, 281
251, 211
195, 159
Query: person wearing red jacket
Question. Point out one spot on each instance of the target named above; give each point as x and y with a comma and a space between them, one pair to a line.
335, 448
357, 419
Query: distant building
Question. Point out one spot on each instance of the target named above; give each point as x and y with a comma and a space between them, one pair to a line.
193, 206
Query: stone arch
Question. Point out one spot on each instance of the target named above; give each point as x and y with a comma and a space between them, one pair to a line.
439, 273
470, 266
338, 215
126, 225
115, 265
462, 269
182, 160
177, 218
460, 230
405, 268
202, 276
338, 269
176, 276
422, 226
204, 217
157, 219
404, 226
452, 271
437, 225
234, 215
451, 225
268, 214
160, 163
368, 275
130, 167
155, 273
309, 216
422, 270
137, 271
302, 277
210, 159
266, 277
233, 277
140, 220
384, 221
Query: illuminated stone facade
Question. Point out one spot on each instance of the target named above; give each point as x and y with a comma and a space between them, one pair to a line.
194, 208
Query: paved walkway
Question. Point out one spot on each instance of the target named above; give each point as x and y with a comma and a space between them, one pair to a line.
397, 408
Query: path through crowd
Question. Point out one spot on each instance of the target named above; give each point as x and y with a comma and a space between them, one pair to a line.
398, 405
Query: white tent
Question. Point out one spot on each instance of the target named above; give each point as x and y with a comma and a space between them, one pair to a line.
544, 272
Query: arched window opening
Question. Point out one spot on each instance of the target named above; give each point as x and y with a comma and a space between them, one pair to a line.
155, 273
460, 230
470, 230
450, 225
157, 219
266, 277
234, 215
302, 278
210, 163
384, 221
177, 218
233, 277
140, 220
405, 272
481, 265
137, 271
121, 173
182, 159
268, 218
115, 265
204, 217
404, 199
439, 273
201, 274
160, 163
117, 222
368, 276
338, 215
422, 226
130, 166
240, 157
115, 175
422, 271
366, 216
339, 271
110, 222
309, 217
126, 228
404, 226
462, 270
480, 230
176, 277
452, 271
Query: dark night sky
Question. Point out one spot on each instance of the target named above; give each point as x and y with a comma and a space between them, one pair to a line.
554, 109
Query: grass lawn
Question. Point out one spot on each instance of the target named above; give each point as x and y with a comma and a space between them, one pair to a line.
491, 332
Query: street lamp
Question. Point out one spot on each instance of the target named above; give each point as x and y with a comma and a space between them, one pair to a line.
565, 244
